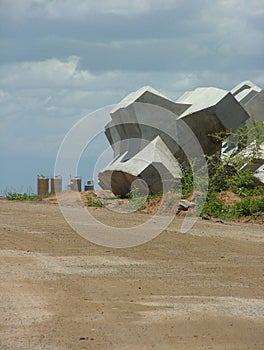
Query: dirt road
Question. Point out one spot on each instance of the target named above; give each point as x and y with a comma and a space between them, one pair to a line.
201, 290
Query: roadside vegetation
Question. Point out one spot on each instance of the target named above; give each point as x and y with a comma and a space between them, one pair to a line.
233, 173
15, 196
234, 192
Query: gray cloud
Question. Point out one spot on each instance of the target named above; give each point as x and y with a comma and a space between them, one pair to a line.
62, 59
66, 9
168, 36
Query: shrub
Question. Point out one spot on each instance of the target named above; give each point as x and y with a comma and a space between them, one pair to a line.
93, 200
249, 206
227, 174
215, 207
21, 196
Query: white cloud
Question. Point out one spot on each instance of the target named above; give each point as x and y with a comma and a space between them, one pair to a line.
51, 72
41, 100
55, 84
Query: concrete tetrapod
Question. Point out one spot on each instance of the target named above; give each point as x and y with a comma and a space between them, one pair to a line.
146, 114
154, 164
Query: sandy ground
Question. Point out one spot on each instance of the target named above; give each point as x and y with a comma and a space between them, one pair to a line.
201, 290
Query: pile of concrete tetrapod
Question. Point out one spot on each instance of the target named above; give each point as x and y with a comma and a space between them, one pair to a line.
152, 137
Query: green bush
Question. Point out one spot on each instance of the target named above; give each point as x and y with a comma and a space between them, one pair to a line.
227, 174
249, 206
21, 196
93, 200
215, 207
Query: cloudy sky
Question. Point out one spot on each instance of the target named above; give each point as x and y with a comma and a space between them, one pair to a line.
62, 59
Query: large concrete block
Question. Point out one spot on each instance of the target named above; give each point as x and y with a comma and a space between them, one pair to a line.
217, 103
255, 106
154, 164
244, 91
146, 123
251, 98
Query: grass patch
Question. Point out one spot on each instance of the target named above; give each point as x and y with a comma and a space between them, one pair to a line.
93, 201
14, 196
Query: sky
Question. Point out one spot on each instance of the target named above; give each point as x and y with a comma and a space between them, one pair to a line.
62, 59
